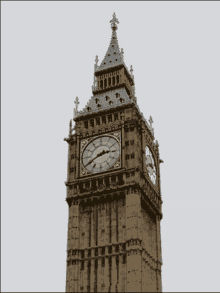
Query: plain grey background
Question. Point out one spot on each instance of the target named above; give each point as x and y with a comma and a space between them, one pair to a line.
48, 55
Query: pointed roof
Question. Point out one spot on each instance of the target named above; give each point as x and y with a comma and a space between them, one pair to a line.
113, 56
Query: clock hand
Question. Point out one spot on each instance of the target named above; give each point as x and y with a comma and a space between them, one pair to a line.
100, 154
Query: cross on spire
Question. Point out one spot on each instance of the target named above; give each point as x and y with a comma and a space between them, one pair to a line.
151, 121
113, 22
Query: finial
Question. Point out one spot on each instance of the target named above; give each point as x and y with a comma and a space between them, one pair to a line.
131, 70
122, 54
76, 102
113, 22
151, 121
96, 60
75, 109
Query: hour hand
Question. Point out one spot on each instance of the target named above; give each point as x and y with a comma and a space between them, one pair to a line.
90, 161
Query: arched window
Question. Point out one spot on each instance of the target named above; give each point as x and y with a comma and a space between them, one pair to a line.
117, 79
101, 84
105, 83
113, 80
109, 81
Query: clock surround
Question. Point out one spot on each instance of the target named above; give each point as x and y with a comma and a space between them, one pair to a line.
100, 153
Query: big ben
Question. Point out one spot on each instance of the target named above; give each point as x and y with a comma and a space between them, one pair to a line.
113, 187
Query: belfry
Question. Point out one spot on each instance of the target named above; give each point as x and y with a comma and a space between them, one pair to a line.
113, 187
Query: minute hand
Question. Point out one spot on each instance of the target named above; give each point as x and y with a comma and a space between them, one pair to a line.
100, 154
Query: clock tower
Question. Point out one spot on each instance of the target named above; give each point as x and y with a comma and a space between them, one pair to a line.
113, 187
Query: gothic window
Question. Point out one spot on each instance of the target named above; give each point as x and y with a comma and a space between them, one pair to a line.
107, 98
86, 124
103, 120
110, 102
113, 80
92, 122
121, 100
101, 84
117, 79
98, 105
96, 100
116, 116
105, 83
124, 258
127, 157
110, 118
98, 121
132, 156
117, 95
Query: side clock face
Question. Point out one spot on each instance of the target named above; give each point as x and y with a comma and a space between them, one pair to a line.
100, 154
149, 160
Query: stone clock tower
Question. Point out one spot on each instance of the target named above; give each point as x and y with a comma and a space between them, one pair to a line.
113, 187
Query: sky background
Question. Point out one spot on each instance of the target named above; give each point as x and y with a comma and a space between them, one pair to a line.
48, 53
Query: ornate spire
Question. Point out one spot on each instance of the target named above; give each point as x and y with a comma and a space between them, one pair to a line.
112, 56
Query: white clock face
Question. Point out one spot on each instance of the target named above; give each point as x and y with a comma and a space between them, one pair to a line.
149, 160
100, 154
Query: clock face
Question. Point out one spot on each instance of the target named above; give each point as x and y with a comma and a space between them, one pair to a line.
149, 160
100, 154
